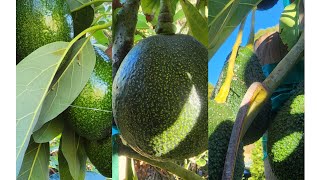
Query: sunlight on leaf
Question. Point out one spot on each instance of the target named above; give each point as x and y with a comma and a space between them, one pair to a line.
224, 16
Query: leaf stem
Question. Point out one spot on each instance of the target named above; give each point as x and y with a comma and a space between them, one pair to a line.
88, 30
99, 17
88, 4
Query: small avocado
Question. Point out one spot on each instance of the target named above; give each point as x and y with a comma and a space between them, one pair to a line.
220, 124
90, 114
286, 139
100, 155
160, 97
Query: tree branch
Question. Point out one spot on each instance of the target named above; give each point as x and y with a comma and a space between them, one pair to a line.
254, 99
168, 166
124, 29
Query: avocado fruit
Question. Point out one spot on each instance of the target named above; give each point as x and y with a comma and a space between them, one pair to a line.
40, 22
246, 71
220, 124
82, 19
285, 144
266, 4
99, 153
159, 97
90, 114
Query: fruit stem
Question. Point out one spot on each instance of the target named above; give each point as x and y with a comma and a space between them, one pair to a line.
88, 4
165, 18
169, 166
225, 88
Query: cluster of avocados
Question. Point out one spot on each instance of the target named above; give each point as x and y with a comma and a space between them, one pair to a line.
90, 115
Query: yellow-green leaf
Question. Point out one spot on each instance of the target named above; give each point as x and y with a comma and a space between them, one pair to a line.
289, 25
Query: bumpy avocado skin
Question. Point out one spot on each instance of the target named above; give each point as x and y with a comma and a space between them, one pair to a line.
220, 124
41, 22
246, 71
286, 139
100, 154
160, 97
90, 114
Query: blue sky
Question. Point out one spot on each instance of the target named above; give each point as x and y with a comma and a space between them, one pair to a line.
264, 19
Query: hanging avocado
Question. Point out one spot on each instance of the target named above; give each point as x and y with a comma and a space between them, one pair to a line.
39, 23
90, 114
160, 97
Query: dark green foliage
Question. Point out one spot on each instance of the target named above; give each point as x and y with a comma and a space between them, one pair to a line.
82, 19
286, 139
220, 127
100, 154
90, 114
160, 97
246, 71
41, 22
266, 4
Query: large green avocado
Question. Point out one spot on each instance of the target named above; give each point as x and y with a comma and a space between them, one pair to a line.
100, 154
90, 114
286, 139
220, 124
159, 97
41, 22
246, 71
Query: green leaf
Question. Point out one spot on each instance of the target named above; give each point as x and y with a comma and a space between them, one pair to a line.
179, 15
100, 37
49, 130
34, 75
74, 4
73, 77
149, 7
82, 19
197, 24
142, 22
64, 171
223, 17
73, 150
35, 162
289, 24
201, 162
